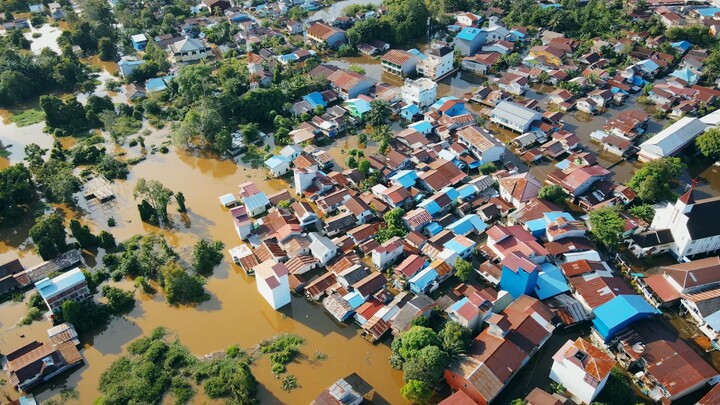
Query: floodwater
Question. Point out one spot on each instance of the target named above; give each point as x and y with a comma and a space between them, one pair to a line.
47, 39
336, 9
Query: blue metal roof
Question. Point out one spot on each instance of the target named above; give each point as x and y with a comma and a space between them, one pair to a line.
682, 45
424, 277
550, 282
411, 109
421, 126
406, 178
431, 206
467, 224
315, 99
451, 192
49, 287
457, 247
686, 75
456, 306
355, 299
468, 34
466, 191
620, 312
707, 12
276, 161
442, 101
417, 53
433, 228
258, 200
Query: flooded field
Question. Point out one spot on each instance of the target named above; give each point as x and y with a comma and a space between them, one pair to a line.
336, 10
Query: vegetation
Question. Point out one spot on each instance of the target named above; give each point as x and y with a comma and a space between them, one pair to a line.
49, 236
157, 367
28, 117
180, 287
416, 391
709, 143
282, 350
17, 193
607, 226
618, 389
379, 112
645, 212
464, 270
36, 307
394, 225
553, 193
154, 196
653, 180
206, 256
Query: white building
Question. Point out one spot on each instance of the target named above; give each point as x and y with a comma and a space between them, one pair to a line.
188, 50
390, 250
482, 143
693, 224
278, 165
671, 140
272, 283
70, 285
322, 248
582, 369
421, 92
437, 63
514, 116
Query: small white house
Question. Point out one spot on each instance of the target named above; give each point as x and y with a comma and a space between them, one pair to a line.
278, 165
322, 248
582, 369
272, 283
390, 250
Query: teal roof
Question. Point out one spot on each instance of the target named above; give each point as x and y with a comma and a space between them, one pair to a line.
550, 282
469, 34
619, 313
49, 287
686, 75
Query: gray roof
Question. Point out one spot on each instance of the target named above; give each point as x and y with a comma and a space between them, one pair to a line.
187, 45
675, 137
514, 112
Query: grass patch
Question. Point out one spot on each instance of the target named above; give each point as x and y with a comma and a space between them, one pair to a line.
28, 117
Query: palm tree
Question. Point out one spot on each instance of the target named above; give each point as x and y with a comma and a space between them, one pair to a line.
379, 112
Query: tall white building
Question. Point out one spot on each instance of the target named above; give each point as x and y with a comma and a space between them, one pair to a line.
693, 224
421, 92
272, 283
437, 63
582, 369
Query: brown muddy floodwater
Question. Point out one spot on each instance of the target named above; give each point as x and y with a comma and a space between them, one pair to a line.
236, 314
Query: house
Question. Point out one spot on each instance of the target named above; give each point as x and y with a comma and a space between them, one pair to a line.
467, 225
272, 283
127, 66
519, 274
419, 305
549, 53
619, 313
702, 275
519, 188
514, 116
370, 284
70, 285
399, 62
56, 10
349, 84
321, 33
351, 390
691, 223
503, 240
387, 252
416, 219
438, 62
482, 144
469, 40
338, 307
291, 152
671, 140
587, 105
294, 27
468, 19
256, 204
420, 92
188, 50
458, 245
514, 84
468, 314
577, 180
481, 62
582, 369
242, 222
501, 350
322, 248
304, 213
139, 41
223, 5
37, 362
360, 209
278, 165
410, 266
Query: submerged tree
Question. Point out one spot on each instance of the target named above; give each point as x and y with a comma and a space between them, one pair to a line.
156, 195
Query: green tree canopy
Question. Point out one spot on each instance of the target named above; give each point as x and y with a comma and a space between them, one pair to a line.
553, 193
464, 270
207, 255
653, 180
179, 286
49, 236
607, 226
416, 391
709, 143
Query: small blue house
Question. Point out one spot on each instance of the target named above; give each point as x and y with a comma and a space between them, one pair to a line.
538, 226
424, 127
405, 178
450, 106
519, 275
467, 191
432, 229
424, 281
460, 245
315, 99
139, 41
682, 46
409, 112
126, 67
619, 313
467, 225
451, 192
431, 206
686, 75
550, 282
469, 41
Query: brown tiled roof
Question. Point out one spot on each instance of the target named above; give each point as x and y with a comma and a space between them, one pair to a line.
322, 30
572, 269
600, 290
370, 284
662, 288
397, 56
695, 273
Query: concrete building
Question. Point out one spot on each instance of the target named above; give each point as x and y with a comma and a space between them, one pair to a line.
188, 50
67, 286
582, 369
671, 140
514, 116
422, 92
272, 283
399, 62
438, 63
321, 33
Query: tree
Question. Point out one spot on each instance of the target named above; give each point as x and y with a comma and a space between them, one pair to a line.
645, 212
488, 168
156, 195
207, 255
364, 166
415, 339
107, 50
179, 286
427, 366
351, 162
607, 226
553, 193
416, 391
17, 192
180, 198
379, 113
83, 235
119, 300
57, 181
455, 339
49, 236
652, 181
250, 133
709, 143
463, 270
